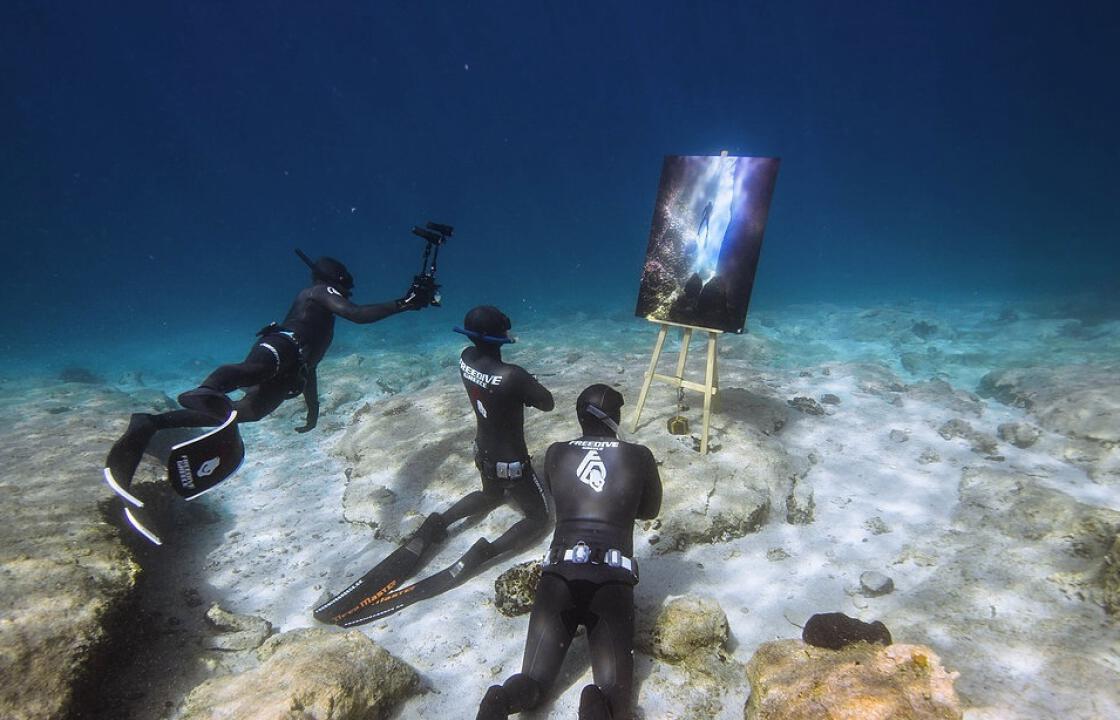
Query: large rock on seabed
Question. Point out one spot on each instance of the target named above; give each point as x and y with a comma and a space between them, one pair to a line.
794, 681
63, 570
309, 674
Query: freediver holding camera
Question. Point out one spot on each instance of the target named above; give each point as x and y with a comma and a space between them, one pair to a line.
282, 364
498, 393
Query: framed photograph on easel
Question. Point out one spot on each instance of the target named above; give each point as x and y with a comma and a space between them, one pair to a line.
703, 251
705, 240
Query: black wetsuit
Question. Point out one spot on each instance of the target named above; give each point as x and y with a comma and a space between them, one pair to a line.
600, 486
281, 364
499, 393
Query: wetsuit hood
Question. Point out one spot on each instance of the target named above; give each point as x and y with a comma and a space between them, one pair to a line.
330, 271
599, 407
486, 325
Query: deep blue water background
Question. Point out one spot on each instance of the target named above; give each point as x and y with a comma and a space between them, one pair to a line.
161, 160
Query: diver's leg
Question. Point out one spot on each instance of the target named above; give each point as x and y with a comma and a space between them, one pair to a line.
210, 397
257, 367
610, 635
476, 503
183, 419
479, 502
259, 402
530, 497
521, 535
551, 629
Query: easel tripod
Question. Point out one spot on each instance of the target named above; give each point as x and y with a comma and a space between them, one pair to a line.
709, 387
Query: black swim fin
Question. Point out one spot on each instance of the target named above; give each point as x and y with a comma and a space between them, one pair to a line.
429, 587
387, 575
124, 457
197, 466
142, 523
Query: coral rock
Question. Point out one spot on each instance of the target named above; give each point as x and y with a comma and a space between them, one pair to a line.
687, 626
515, 589
237, 632
794, 681
1020, 435
309, 674
807, 405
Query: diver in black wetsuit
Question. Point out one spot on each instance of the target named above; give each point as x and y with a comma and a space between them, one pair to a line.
499, 393
600, 485
281, 365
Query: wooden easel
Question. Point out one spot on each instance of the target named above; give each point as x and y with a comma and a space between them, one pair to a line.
711, 376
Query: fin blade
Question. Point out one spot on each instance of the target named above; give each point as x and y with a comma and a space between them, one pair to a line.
140, 527
119, 490
371, 587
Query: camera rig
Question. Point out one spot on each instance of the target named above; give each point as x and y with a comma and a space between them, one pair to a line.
435, 235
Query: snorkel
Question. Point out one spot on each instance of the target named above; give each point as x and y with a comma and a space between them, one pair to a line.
505, 340
603, 417
597, 407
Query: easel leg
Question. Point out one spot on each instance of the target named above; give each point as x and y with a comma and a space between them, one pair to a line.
709, 390
686, 341
649, 375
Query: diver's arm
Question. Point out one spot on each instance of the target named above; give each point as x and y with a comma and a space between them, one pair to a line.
546, 480
361, 314
311, 397
535, 394
650, 505
419, 295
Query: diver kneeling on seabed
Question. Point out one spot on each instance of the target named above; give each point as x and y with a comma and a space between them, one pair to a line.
499, 392
600, 486
281, 364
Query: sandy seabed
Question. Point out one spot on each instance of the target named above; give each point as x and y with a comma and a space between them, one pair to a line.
891, 494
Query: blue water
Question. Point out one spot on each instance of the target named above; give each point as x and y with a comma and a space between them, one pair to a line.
162, 160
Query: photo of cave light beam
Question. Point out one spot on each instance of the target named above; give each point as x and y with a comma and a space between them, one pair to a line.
705, 240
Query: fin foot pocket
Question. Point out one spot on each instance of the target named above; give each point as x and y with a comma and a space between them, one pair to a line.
207, 400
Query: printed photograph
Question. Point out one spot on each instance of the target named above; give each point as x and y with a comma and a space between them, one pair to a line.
705, 240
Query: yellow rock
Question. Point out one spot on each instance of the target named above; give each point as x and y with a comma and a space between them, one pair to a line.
794, 681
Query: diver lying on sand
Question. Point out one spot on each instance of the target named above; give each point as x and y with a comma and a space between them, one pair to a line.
498, 393
600, 485
281, 365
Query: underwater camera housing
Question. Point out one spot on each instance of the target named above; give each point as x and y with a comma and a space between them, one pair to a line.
435, 235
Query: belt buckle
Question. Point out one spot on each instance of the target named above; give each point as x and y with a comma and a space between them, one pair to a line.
502, 470
613, 558
513, 470
581, 553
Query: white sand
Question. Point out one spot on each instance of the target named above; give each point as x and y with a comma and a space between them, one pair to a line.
279, 540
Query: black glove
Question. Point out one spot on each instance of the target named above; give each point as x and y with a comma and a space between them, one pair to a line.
419, 295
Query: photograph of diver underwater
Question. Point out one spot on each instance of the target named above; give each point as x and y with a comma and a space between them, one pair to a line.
705, 240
